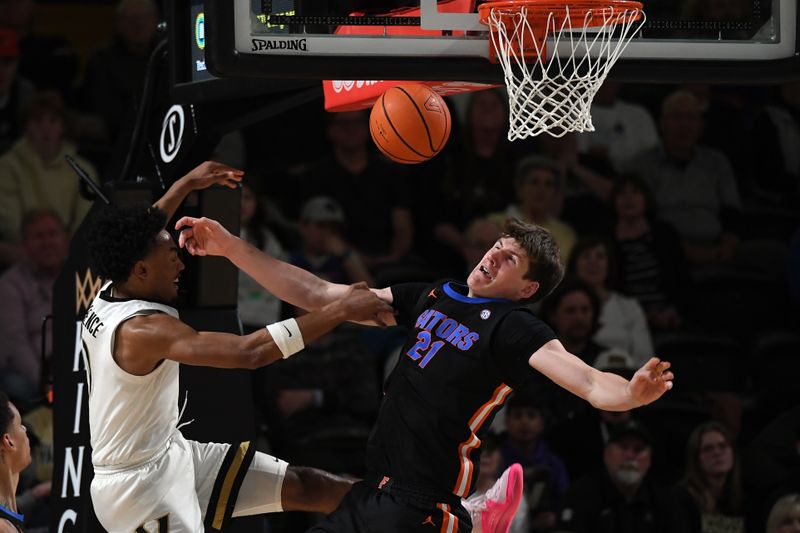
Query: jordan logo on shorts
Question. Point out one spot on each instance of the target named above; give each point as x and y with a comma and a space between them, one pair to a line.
429, 521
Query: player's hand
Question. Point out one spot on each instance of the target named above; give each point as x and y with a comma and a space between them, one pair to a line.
362, 305
203, 236
212, 173
651, 381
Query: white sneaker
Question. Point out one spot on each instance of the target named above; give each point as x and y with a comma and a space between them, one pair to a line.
493, 512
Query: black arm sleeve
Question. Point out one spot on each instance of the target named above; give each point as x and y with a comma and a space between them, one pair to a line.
516, 338
404, 298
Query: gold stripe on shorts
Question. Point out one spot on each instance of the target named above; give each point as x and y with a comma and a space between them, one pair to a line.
227, 485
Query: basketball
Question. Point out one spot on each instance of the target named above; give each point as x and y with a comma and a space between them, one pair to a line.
410, 123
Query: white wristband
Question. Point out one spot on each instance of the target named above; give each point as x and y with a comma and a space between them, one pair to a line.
287, 337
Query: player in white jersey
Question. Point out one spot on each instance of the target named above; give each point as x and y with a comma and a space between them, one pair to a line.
148, 477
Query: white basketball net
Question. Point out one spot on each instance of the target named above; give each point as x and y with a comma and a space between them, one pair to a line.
553, 92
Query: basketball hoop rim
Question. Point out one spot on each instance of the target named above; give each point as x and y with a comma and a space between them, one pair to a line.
538, 10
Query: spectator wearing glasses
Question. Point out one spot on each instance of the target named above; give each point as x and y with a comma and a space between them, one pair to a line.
710, 497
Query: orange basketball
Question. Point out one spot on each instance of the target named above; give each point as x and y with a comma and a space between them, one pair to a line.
410, 123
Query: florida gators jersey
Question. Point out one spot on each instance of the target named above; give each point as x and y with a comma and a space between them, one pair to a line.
462, 358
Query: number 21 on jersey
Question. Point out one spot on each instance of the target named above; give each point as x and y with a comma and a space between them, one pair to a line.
424, 350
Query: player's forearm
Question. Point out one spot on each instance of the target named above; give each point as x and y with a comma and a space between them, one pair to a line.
610, 392
287, 282
260, 348
172, 199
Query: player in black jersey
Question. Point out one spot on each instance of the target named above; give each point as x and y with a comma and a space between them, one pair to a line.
469, 345
15, 455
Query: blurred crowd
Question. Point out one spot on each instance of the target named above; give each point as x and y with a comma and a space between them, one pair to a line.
678, 219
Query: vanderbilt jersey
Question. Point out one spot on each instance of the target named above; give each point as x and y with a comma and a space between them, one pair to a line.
131, 418
459, 365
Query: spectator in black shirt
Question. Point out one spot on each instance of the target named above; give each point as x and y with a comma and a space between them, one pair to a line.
619, 498
590, 427
372, 194
651, 266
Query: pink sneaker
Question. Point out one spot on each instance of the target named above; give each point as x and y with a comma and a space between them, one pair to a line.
502, 501
493, 512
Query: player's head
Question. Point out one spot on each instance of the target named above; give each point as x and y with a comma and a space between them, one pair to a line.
523, 265
537, 180
15, 449
710, 455
526, 417
627, 454
128, 245
45, 239
348, 131
573, 311
592, 261
491, 456
44, 124
681, 121
784, 517
631, 197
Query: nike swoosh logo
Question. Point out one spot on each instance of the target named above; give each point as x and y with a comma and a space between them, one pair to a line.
287, 330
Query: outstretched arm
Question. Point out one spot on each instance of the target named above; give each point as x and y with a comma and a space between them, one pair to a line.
143, 341
202, 176
204, 236
603, 390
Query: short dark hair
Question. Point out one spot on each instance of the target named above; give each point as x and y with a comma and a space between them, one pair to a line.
537, 162
544, 257
587, 243
531, 398
6, 415
641, 185
121, 236
570, 285
526, 399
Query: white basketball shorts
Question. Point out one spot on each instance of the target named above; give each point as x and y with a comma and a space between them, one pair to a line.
192, 487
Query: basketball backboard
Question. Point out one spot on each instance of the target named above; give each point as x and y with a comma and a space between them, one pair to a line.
190, 81
746, 41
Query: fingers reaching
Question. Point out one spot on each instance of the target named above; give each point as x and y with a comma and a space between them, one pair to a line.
652, 364
663, 375
184, 236
186, 221
232, 178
